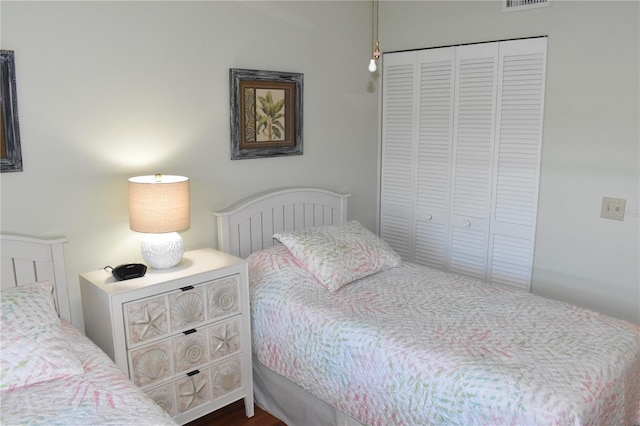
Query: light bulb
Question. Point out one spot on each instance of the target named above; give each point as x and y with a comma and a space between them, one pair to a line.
372, 65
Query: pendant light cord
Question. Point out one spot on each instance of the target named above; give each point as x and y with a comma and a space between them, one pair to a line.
375, 4
373, 18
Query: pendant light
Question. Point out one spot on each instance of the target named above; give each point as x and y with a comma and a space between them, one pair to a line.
373, 66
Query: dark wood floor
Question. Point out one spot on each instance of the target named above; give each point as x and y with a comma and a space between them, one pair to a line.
233, 415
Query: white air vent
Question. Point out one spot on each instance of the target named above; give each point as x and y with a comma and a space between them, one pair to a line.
510, 5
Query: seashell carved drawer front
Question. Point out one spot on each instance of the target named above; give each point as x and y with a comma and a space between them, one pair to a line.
165, 397
189, 350
226, 377
224, 338
193, 390
146, 320
187, 308
151, 363
223, 297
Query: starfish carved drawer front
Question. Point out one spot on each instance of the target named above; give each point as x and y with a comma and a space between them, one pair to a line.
181, 334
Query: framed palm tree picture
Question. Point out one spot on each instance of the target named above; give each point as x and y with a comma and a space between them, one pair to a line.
266, 113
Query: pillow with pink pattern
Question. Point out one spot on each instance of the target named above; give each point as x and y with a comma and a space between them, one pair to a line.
34, 348
339, 254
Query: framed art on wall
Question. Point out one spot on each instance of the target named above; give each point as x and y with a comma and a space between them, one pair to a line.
10, 151
266, 113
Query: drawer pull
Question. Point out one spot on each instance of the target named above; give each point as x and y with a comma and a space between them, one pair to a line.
189, 287
186, 333
193, 373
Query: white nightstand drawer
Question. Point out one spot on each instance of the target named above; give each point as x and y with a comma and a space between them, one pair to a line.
158, 316
184, 352
199, 386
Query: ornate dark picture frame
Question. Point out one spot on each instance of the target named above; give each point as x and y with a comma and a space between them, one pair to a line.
266, 113
10, 150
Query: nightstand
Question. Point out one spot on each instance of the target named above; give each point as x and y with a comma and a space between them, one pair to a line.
182, 334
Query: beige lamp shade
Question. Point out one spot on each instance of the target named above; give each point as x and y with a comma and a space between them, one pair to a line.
159, 204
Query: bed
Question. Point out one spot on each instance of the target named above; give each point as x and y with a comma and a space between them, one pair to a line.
343, 332
50, 372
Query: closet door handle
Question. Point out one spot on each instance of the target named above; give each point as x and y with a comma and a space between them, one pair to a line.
466, 223
428, 216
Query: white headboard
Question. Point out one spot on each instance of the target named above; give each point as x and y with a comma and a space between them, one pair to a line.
26, 260
249, 225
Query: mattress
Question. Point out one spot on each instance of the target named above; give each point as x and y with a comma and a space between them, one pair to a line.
100, 395
415, 345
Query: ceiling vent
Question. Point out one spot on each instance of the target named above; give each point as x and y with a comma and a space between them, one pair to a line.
510, 5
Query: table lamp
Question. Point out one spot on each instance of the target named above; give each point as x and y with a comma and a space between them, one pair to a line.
159, 207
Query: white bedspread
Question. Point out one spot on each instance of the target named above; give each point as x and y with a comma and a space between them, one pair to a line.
101, 395
413, 345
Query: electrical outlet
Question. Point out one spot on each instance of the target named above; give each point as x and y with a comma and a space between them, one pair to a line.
613, 208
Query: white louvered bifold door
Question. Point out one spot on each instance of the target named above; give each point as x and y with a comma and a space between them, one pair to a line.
461, 139
399, 132
521, 86
473, 138
435, 135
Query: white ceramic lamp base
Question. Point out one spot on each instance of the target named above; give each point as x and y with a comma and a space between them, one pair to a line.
162, 250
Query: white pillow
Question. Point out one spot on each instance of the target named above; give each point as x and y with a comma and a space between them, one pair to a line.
339, 254
34, 348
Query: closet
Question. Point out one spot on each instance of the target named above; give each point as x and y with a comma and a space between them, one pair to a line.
461, 142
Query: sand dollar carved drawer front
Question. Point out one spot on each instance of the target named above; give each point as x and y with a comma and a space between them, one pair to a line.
183, 345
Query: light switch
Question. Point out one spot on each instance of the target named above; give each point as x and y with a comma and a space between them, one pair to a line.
613, 208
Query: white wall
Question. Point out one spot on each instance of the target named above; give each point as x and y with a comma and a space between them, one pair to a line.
110, 90
591, 133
